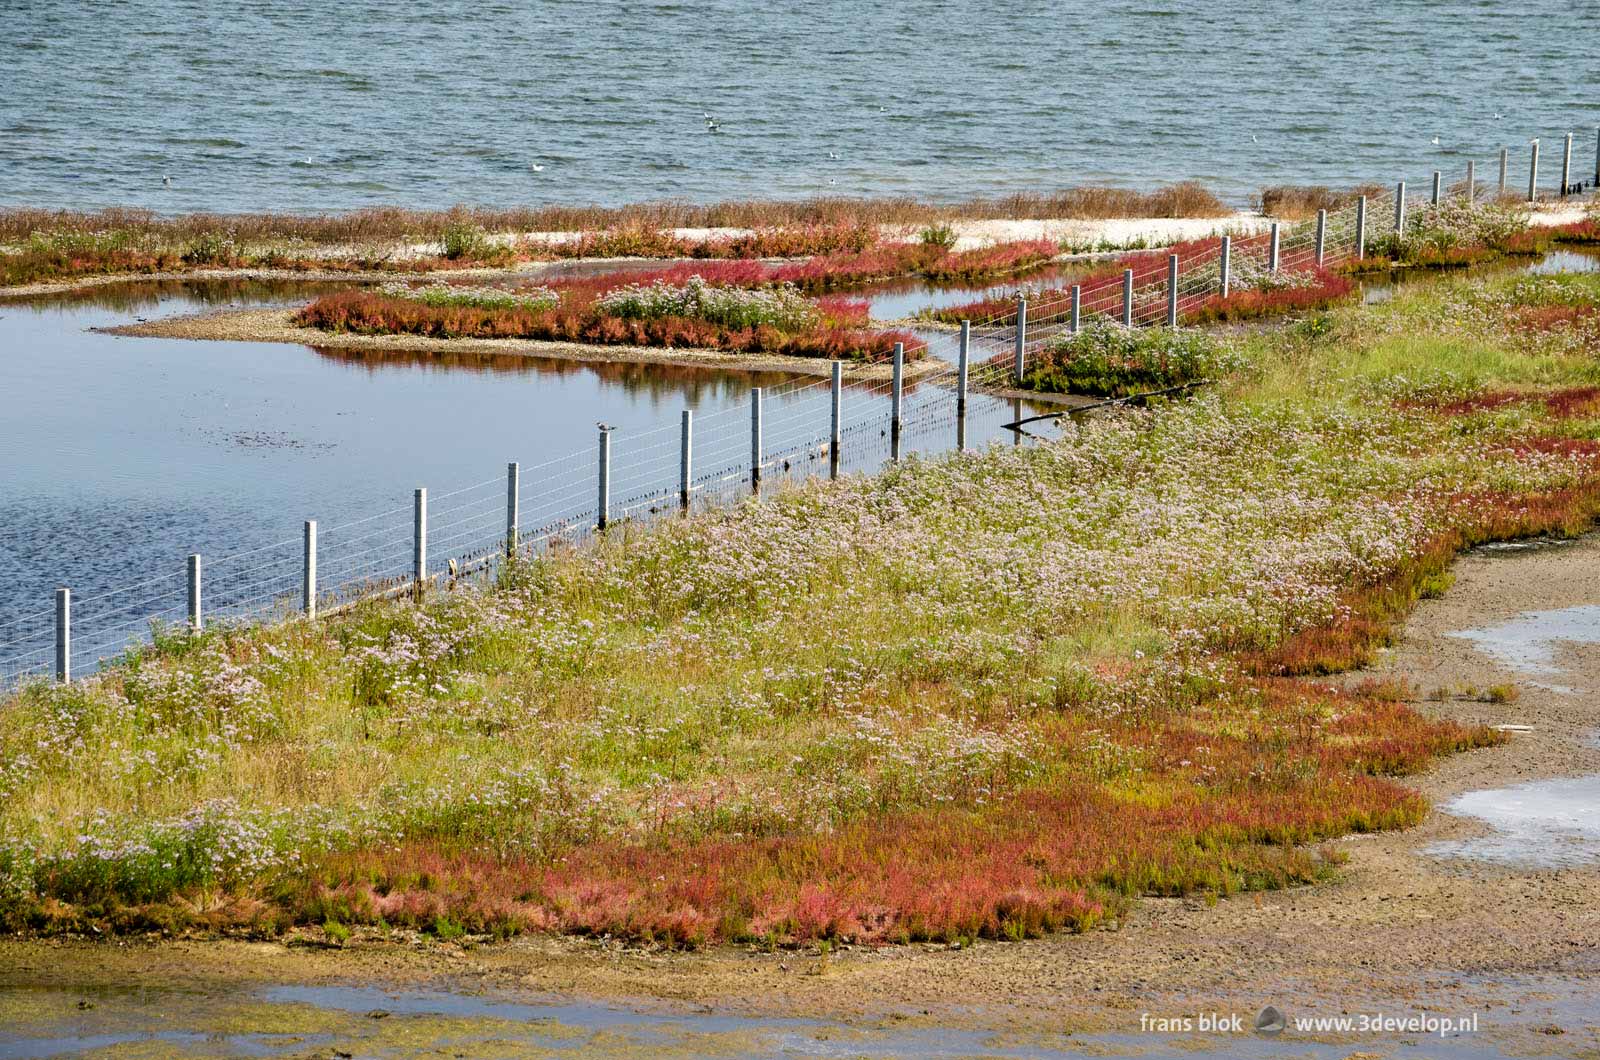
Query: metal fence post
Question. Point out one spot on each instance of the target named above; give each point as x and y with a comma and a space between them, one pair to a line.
308, 571
962, 363
1227, 265
1597, 157
1566, 166
1505, 163
1172, 290
685, 459
195, 620
513, 502
603, 500
63, 635
755, 439
1076, 317
1533, 170
1472, 181
1127, 298
1438, 186
419, 534
1361, 227
1273, 248
1022, 338
1400, 207
1322, 234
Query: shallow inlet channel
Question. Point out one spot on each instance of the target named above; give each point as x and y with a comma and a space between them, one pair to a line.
123, 455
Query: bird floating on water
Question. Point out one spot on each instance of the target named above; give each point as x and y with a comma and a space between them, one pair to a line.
536, 167
1434, 141
833, 156
166, 182
712, 125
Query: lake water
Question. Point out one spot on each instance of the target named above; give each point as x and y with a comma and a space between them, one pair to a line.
291, 104
123, 455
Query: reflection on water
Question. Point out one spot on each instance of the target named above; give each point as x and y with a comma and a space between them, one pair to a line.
124, 455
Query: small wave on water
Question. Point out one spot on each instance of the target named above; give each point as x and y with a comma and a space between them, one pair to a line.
920, 97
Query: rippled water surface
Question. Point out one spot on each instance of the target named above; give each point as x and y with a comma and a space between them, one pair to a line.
292, 104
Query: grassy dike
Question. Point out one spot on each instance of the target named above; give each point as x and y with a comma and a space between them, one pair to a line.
997, 694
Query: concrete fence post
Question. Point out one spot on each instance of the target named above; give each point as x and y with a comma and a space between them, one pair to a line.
837, 412
1438, 186
1075, 319
836, 429
513, 503
1022, 338
602, 516
1227, 265
1505, 164
1322, 234
1274, 247
897, 386
1361, 227
1472, 181
1566, 166
196, 621
962, 364
1127, 298
685, 459
1533, 170
63, 635
1400, 207
308, 571
419, 543
1172, 290
755, 439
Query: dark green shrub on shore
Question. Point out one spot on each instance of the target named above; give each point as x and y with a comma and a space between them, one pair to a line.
1109, 360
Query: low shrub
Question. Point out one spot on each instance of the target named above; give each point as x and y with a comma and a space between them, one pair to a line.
782, 307
1110, 360
367, 313
534, 299
1276, 294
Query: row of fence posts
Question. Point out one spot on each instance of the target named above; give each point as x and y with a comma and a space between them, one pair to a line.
419, 577
309, 590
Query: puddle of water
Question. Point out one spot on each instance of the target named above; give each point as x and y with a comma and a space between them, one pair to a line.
473, 1025
1543, 824
1529, 642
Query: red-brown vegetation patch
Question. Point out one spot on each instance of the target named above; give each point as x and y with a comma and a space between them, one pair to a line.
366, 313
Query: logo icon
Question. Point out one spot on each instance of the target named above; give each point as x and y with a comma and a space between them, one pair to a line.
1270, 1022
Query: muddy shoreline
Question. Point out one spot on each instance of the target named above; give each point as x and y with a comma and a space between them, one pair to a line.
1400, 930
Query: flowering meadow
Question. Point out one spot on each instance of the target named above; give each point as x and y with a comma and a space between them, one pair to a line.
995, 694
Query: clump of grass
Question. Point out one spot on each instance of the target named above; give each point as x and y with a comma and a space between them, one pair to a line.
939, 235
1110, 360
463, 241
1298, 202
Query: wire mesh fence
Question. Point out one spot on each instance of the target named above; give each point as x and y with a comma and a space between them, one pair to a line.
954, 387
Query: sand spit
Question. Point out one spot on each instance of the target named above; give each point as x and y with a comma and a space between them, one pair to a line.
274, 325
